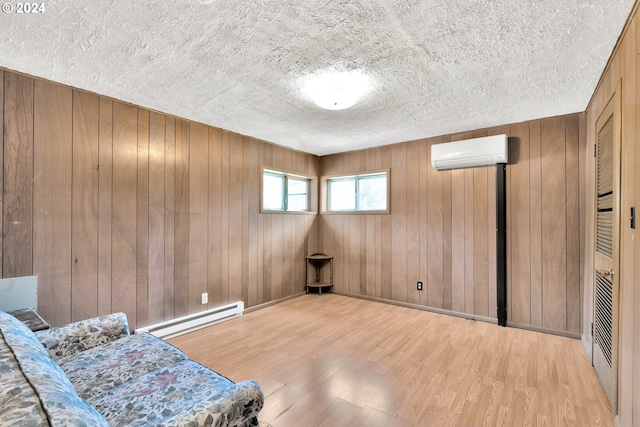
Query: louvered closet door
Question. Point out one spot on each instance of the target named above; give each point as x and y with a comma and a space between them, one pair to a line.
605, 327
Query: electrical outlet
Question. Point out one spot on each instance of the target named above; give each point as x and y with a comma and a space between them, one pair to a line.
419, 286
205, 297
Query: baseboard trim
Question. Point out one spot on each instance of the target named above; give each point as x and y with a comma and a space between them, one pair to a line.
462, 315
573, 335
270, 303
421, 307
617, 422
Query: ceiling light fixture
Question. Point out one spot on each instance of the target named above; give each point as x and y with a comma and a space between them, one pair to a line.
336, 90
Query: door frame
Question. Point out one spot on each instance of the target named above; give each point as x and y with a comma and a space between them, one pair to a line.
611, 109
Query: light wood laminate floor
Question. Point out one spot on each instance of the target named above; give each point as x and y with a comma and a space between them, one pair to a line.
329, 360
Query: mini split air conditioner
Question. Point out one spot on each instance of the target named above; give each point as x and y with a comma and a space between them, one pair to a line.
489, 150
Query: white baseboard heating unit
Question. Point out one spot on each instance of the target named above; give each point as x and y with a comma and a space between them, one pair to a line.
192, 322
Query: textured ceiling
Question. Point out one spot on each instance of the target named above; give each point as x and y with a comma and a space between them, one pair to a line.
439, 66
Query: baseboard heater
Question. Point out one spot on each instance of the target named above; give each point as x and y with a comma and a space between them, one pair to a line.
192, 322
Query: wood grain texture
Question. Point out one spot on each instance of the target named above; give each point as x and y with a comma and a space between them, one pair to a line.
169, 217
622, 67
435, 246
85, 209
105, 199
457, 241
181, 215
535, 206
235, 218
198, 208
17, 215
334, 361
413, 222
573, 223
124, 216
629, 321
376, 255
52, 193
455, 227
142, 220
225, 194
519, 226
554, 256
157, 153
399, 222
214, 258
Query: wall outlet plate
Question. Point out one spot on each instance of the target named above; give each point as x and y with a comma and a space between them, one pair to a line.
205, 298
419, 286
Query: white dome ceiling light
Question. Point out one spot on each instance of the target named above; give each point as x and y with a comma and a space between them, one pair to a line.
336, 90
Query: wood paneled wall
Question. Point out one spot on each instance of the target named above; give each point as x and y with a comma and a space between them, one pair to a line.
441, 229
623, 68
118, 208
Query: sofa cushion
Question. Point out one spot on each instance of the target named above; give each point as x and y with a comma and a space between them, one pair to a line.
109, 365
17, 332
19, 403
56, 396
80, 336
182, 394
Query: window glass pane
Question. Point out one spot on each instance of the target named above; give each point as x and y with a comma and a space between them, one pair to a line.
342, 194
298, 198
273, 191
372, 193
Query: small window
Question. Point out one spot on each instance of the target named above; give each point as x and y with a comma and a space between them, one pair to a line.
285, 192
358, 193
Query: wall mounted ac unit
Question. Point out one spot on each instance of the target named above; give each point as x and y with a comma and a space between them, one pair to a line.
489, 150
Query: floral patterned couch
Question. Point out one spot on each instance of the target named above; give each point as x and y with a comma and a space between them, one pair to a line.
94, 373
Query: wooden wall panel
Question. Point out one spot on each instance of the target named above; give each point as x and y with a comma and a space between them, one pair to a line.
156, 276
198, 221
572, 192
181, 215
433, 266
468, 260
235, 281
519, 234
142, 220
399, 222
148, 233
225, 195
457, 241
169, 217
52, 193
451, 216
17, 215
622, 70
84, 221
124, 215
535, 205
214, 273
117, 208
481, 242
413, 222
446, 237
105, 192
554, 228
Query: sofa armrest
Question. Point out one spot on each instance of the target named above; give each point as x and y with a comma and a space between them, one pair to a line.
79, 336
234, 405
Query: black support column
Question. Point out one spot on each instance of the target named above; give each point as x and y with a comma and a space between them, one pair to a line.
501, 241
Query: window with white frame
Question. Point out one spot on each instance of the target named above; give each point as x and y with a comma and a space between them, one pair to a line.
285, 192
358, 193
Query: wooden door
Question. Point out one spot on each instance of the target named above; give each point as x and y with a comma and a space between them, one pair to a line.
607, 221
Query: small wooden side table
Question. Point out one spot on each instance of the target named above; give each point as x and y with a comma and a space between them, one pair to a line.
318, 260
